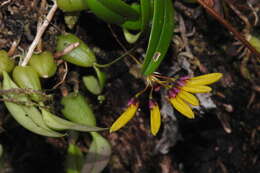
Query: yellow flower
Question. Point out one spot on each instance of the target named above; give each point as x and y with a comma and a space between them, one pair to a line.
126, 116
181, 95
155, 119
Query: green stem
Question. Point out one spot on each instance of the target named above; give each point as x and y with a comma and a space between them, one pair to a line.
151, 93
114, 61
141, 92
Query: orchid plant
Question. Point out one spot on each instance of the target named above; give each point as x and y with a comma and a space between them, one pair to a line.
160, 13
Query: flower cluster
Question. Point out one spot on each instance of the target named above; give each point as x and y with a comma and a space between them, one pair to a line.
179, 95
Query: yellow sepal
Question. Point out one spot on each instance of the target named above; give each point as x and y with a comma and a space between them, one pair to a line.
196, 89
182, 107
124, 118
155, 120
188, 98
205, 79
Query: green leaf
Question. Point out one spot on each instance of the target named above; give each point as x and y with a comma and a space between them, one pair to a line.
72, 5
27, 116
6, 64
43, 64
76, 109
58, 123
131, 38
104, 13
102, 77
121, 8
136, 24
27, 77
74, 159
161, 35
98, 155
71, 19
81, 56
254, 40
91, 83
145, 14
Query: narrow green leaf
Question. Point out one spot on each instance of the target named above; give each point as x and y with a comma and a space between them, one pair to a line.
27, 116
121, 8
157, 23
58, 123
102, 77
72, 5
105, 13
161, 34
145, 13
136, 24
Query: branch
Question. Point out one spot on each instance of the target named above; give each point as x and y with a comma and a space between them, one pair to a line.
39, 34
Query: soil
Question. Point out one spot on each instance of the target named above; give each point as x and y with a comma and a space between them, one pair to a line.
224, 139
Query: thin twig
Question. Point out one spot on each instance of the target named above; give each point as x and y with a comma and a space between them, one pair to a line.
240, 15
64, 73
24, 91
184, 36
39, 34
229, 27
251, 100
128, 52
13, 47
5, 2
254, 13
121, 45
23, 103
66, 50
39, 23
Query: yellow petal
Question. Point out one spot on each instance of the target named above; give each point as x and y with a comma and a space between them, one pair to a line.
182, 107
196, 88
205, 79
155, 120
188, 98
124, 118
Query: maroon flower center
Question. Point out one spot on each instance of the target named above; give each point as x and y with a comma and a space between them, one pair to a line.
152, 104
172, 93
132, 101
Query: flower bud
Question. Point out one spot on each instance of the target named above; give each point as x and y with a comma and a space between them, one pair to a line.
155, 119
126, 116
